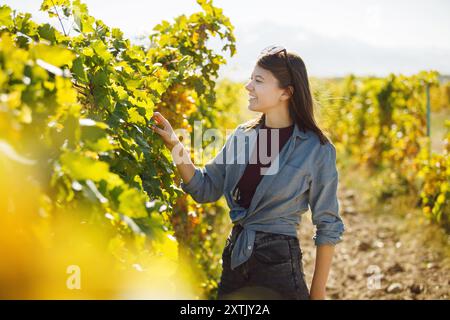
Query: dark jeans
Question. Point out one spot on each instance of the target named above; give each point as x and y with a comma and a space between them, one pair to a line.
273, 271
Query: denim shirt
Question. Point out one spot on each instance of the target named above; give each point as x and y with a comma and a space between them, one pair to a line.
303, 173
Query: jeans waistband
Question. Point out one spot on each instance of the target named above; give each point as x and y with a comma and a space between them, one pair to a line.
237, 228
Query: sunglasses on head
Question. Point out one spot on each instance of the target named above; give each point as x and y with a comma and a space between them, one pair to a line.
274, 49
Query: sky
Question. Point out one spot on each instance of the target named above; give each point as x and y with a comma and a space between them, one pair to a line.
334, 38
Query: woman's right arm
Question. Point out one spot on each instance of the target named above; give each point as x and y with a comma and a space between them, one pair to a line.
185, 166
203, 184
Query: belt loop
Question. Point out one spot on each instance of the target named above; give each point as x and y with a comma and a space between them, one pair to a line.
237, 228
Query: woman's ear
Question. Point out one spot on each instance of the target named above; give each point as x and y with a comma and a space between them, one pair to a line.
288, 92
291, 90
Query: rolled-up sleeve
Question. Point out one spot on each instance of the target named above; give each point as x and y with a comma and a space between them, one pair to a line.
207, 183
323, 199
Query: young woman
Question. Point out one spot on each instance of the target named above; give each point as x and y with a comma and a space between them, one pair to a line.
262, 257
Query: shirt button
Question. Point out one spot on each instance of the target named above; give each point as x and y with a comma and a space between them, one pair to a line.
249, 247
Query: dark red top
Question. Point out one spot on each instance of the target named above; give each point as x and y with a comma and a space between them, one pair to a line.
251, 177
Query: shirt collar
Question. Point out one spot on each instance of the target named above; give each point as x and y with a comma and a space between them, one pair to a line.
297, 132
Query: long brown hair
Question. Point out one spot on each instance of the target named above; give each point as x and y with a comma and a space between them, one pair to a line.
301, 104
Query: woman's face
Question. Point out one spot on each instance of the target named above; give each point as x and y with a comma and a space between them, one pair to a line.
263, 90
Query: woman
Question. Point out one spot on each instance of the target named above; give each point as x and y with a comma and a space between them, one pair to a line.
262, 257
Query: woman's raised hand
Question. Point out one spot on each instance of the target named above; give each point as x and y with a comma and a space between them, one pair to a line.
180, 156
167, 133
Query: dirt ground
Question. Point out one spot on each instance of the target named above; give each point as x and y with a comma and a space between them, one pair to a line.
383, 255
